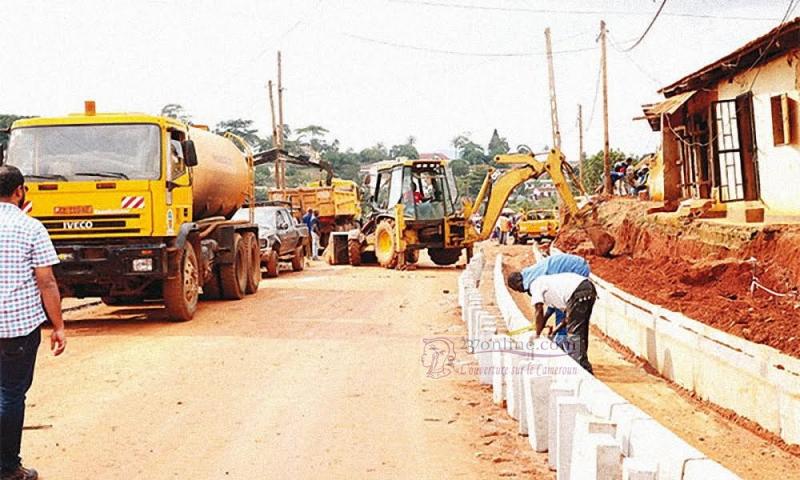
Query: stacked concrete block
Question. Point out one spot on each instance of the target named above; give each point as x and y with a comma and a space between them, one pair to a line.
499, 345
652, 441
567, 408
637, 469
597, 456
537, 400
559, 388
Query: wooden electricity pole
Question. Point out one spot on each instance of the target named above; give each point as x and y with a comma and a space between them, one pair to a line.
272, 112
607, 187
580, 145
280, 161
552, 81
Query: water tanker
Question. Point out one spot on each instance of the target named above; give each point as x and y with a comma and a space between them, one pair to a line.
139, 207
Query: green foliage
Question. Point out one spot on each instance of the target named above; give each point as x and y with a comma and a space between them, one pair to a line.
175, 110
593, 175
241, 128
468, 150
497, 145
5, 122
405, 150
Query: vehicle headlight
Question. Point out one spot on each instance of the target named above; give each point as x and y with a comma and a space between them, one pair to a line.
143, 265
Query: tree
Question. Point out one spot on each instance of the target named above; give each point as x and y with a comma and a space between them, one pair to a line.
5, 123
175, 110
593, 173
469, 150
497, 145
460, 167
241, 128
406, 150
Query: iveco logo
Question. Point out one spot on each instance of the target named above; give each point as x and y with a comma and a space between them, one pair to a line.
78, 225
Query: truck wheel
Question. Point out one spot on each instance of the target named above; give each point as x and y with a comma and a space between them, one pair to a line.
444, 256
298, 260
182, 292
412, 256
212, 289
254, 257
385, 248
234, 276
272, 264
354, 251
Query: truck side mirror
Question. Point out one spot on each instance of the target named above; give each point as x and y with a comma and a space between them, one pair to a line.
189, 153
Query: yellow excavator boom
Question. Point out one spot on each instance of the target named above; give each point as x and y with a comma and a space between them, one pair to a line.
495, 192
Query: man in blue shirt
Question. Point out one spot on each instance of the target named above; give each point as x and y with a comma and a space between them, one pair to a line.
558, 263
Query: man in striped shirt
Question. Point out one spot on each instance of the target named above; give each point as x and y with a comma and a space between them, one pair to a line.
28, 297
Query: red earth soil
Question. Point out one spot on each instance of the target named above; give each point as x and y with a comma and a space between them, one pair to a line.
680, 268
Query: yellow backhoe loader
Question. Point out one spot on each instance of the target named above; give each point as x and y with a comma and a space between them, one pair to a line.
416, 206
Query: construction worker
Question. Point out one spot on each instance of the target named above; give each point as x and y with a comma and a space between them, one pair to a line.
554, 264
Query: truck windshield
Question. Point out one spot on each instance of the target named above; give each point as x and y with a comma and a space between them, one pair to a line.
86, 152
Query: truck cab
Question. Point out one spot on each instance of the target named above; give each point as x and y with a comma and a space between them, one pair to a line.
118, 194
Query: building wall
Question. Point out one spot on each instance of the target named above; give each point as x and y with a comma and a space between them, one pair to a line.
779, 166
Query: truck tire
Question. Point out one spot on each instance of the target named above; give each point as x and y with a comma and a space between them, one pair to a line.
254, 261
212, 289
182, 292
272, 264
233, 277
444, 256
412, 256
385, 249
298, 260
354, 251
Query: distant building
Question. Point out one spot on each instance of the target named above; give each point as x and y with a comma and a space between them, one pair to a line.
433, 156
731, 131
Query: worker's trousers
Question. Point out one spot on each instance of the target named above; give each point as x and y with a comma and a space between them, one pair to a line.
17, 360
579, 310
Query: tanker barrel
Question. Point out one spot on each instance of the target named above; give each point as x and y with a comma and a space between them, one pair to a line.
221, 177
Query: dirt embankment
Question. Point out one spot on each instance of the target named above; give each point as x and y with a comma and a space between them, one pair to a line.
704, 269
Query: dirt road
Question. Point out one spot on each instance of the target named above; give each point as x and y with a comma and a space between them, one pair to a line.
317, 376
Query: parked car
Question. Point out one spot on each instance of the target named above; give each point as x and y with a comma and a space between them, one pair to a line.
281, 237
538, 224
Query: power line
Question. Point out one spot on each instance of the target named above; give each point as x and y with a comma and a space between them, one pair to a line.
646, 30
463, 6
594, 102
616, 47
460, 53
792, 5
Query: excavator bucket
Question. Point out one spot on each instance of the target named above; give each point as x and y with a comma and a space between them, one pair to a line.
603, 242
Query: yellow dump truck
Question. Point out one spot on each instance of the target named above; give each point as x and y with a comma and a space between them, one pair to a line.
139, 207
339, 204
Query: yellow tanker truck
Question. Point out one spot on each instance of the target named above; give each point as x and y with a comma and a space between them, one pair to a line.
139, 207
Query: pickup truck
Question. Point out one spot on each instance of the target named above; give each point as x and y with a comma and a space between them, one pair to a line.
281, 237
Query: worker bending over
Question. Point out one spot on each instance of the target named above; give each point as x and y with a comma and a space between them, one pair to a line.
573, 294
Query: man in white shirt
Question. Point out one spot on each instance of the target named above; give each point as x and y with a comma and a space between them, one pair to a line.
574, 294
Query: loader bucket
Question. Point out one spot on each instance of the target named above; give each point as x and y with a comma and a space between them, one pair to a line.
603, 242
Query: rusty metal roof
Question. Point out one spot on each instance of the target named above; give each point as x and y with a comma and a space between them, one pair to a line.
777, 41
653, 111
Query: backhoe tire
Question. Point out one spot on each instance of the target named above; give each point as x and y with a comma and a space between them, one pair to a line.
354, 252
254, 262
233, 277
412, 256
444, 256
182, 292
385, 249
298, 260
272, 264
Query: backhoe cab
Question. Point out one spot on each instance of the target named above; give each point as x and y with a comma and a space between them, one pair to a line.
416, 206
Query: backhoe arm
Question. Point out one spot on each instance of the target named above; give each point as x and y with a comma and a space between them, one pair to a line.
496, 192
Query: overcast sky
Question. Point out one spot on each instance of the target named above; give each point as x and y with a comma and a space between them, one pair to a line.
368, 70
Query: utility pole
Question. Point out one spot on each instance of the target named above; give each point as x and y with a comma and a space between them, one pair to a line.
275, 144
552, 80
580, 145
607, 187
281, 179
